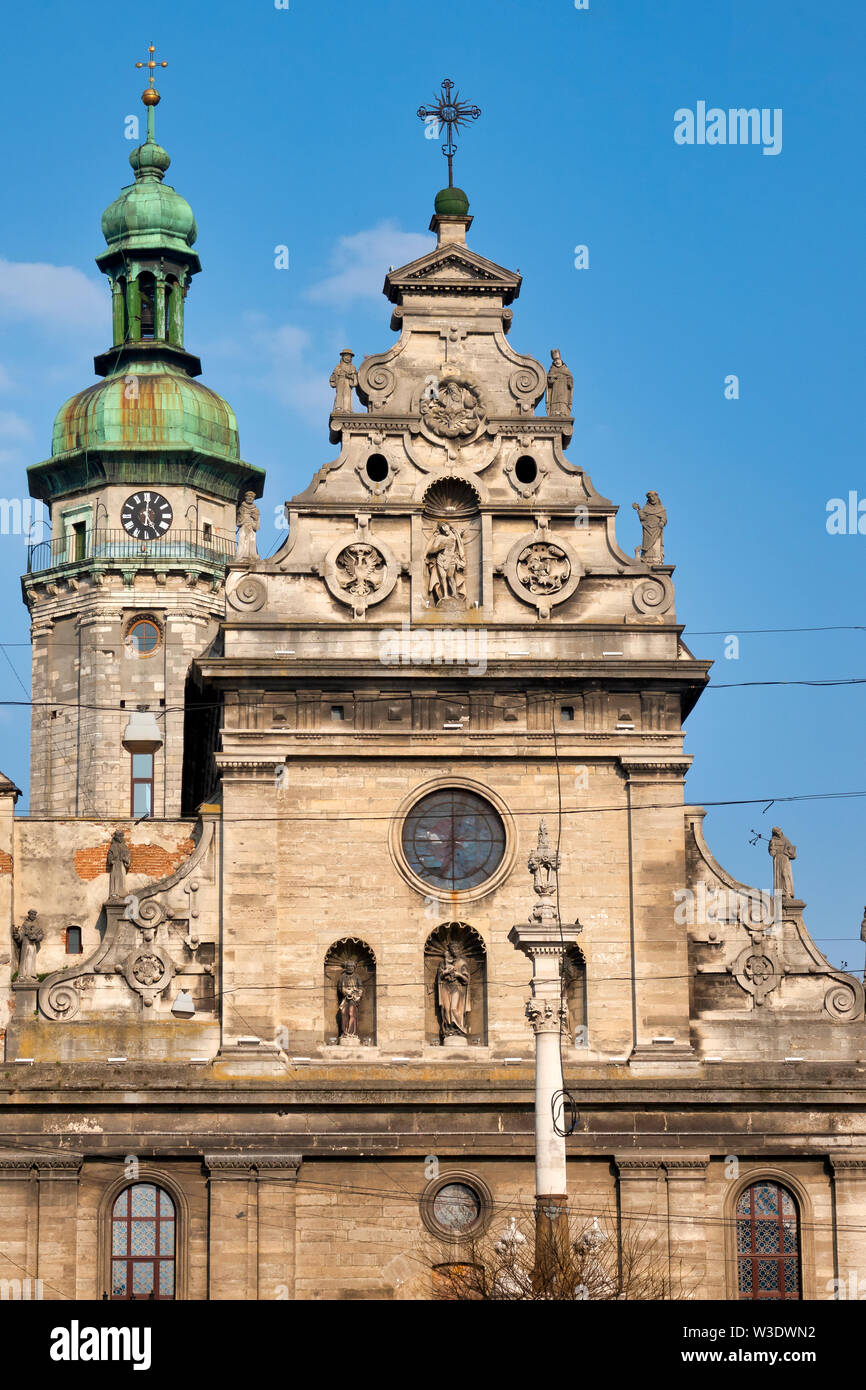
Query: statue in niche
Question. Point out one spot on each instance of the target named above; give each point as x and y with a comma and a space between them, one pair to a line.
653, 519
560, 385
781, 852
452, 992
248, 521
350, 992
28, 938
118, 865
344, 379
361, 569
445, 559
543, 568
453, 409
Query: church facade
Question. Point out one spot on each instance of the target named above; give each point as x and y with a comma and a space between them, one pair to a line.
265, 1031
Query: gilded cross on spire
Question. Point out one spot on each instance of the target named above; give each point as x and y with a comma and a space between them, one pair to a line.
451, 113
150, 96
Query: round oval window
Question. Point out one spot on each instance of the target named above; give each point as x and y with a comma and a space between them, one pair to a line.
453, 839
456, 1207
144, 636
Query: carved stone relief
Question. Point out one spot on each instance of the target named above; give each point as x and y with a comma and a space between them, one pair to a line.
360, 570
542, 569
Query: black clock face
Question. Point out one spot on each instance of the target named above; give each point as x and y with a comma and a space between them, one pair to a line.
146, 515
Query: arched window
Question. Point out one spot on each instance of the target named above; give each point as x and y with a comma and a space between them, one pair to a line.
73, 941
768, 1242
143, 1234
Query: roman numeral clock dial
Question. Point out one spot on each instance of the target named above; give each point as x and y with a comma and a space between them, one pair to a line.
146, 515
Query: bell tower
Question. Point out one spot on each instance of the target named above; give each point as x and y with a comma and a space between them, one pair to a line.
143, 484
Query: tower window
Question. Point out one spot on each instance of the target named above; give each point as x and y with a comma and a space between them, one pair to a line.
141, 799
338, 711
144, 637
148, 307
566, 713
73, 941
79, 539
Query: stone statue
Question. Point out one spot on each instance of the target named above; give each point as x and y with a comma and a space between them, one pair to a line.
560, 385
344, 379
118, 865
782, 852
349, 991
28, 938
248, 521
653, 519
445, 558
452, 992
543, 863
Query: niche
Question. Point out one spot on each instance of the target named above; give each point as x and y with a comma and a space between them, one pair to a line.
350, 993
455, 986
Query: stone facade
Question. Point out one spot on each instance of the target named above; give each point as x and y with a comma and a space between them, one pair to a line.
296, 1013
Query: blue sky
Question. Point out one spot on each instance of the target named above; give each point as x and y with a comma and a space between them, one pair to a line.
298, 127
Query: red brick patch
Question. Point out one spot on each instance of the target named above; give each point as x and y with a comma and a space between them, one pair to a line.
151, 860
5, 862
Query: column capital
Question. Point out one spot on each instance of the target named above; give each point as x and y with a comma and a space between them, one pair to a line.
253, 1165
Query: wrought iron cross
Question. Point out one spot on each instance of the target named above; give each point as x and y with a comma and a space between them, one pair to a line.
150, 64
451, 113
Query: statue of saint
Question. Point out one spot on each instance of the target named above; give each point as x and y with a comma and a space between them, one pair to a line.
452, 992
248, 520
118, 865
560, 384
344, 379
653, 519
28, 938
350, 991
782, 852
445, 558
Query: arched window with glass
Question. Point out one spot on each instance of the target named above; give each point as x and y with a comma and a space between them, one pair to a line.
768, 1242
143, 1243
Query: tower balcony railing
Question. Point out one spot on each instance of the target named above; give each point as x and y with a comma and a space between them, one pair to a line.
77, 548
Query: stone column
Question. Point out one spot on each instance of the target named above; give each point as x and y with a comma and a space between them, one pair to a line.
252, 1225
57, 1242
19, 1223
9, 794
686, 1178
643, 1218
545, 940
849, 1179
277, 1192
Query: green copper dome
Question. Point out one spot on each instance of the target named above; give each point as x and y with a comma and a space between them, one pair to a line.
158, 408
451, 202
148, 211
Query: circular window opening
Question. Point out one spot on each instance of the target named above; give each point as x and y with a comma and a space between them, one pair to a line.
144, 636
456, 1208
526, 470
453, 839
377, 468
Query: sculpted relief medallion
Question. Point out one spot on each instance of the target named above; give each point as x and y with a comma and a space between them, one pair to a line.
451, 408
542, 571
360, 570
543, 568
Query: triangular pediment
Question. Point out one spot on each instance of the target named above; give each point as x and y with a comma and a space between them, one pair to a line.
456, 268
